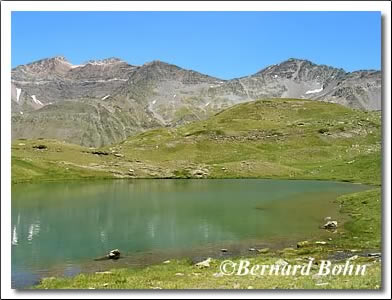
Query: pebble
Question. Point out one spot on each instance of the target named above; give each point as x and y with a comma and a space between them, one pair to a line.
264, 250
353, 258
281, 262
377, 254
302, 244
322, 283
204, 263
321, 242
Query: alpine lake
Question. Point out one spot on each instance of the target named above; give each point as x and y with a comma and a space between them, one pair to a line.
60, 228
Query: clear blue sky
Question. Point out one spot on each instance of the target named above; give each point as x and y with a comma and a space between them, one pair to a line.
222, 44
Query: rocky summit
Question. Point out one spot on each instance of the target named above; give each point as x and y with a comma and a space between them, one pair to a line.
104, 101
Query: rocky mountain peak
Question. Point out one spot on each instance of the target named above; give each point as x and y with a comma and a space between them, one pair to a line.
158, 63
60, 58
57, 65
294, 60
300, 70
157, 70
106, 61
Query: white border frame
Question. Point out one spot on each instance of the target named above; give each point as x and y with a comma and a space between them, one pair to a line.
7, 7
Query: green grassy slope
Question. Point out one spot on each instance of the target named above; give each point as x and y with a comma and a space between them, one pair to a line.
277, 138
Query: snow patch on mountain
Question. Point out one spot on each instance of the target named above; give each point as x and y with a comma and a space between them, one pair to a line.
36, 100
314, 91
18, 92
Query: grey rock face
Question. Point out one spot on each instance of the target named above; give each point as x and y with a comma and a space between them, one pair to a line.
296, 78
105, 101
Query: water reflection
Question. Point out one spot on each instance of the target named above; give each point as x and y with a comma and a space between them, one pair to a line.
74, 222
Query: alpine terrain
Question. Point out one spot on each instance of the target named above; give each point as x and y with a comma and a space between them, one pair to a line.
105, 101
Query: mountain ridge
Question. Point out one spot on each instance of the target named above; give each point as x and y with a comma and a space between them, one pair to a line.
136, 98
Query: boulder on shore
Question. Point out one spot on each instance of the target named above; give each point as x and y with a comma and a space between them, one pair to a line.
204, 263
303, 244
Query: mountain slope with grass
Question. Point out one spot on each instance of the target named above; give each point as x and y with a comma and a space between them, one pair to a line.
273, 138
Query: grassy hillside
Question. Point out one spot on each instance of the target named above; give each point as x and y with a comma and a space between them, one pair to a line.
276, 138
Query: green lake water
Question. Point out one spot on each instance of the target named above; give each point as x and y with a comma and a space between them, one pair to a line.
59, 228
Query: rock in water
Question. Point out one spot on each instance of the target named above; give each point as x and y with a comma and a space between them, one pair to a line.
330, 225
114, 254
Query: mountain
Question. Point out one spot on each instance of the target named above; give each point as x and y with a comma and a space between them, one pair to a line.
104, 101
